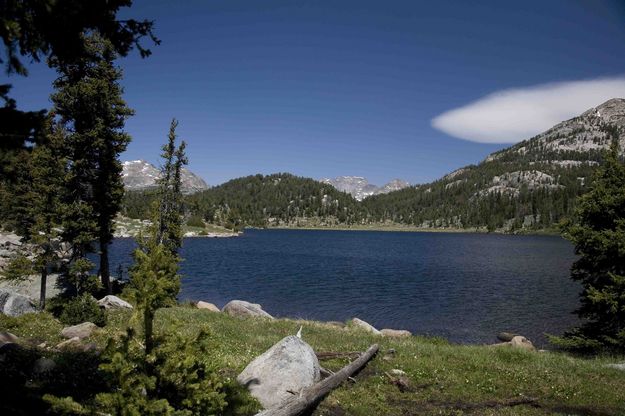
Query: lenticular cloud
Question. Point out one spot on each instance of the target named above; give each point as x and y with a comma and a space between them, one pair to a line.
509, 116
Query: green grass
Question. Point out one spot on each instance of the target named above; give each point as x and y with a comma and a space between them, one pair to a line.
443, 379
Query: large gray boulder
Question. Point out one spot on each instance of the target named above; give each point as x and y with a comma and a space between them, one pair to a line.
245, 309
280, 372
113, 302
14, 304
207, 306
359, 323
79, 331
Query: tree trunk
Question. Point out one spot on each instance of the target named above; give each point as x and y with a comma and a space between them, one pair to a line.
42, 290
105, 273
311, 396
148, 321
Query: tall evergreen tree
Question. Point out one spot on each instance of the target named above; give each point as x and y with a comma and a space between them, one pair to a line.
47, 167
154, 279
598, 232
170, 205
90, 105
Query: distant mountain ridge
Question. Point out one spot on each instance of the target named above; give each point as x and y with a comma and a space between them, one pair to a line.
532, 185
360, 188
140, 175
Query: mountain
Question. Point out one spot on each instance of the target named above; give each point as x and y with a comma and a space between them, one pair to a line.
141, 175
274, 200
531, 185
360, 188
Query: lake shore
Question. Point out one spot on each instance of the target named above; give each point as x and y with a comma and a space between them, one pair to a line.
409, 229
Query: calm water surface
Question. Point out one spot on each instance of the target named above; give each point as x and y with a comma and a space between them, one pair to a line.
464, 287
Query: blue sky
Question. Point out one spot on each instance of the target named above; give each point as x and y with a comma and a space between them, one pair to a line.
327, 88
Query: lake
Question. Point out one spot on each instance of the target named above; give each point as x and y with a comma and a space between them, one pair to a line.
464, 287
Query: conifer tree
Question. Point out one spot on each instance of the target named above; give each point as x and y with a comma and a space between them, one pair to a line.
598, 232
40, 199
47, 167
154, 279
90, 106
169, 220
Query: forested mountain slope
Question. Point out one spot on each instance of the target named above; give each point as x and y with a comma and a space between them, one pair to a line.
532, 184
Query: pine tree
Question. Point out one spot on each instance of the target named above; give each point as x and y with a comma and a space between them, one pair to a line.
170, 206
598, 232
47, 167
154, 279
90, 105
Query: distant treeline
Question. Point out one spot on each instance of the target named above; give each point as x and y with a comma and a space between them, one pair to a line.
287, 200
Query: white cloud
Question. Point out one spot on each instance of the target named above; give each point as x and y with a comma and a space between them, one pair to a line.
512, 115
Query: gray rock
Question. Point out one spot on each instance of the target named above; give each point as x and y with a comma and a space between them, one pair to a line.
7, 337
245, 309
395, 333
14, 304
620, 366
79, 331
207, 306
359, 323
113, 302
70, 344
286, 368
522, 342
397, 372
506, 336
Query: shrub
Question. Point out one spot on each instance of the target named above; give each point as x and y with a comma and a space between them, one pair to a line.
195, 221
82, 309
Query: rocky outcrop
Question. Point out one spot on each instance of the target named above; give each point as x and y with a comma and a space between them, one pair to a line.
79, 331
245, 309
14, 304
517, 341
395, 333
359, 323
207, 306
113, 302
283, 370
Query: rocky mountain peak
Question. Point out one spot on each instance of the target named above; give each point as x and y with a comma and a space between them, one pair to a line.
141, 175
360, 188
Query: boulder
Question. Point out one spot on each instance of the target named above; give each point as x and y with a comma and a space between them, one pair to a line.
207, 306
7, 337
79, 331
14, 304
74, 344
113, 302
517, 342
506, 336
70, 344
245, 309
286, 368
359, 323
395, 333
522, 342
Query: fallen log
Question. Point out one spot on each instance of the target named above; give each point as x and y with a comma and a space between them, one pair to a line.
312, 395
